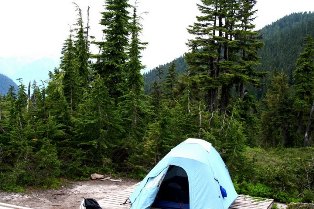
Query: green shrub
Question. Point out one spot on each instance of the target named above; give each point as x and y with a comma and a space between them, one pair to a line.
308, 196
275, 206
259, 190
286, 175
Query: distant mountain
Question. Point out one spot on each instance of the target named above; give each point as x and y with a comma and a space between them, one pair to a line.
283, 42
5, 84
27, 69
150, 76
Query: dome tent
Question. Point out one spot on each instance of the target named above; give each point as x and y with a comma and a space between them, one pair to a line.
192, 175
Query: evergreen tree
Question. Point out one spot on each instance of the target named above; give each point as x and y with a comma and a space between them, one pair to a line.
134, 107
17, 151
96, 130
111, 65
57, 104
277, 120
248, 43
135, 80
81, 45
224, 50
169, 87
304, 85
40, 130
157, 93
69, 68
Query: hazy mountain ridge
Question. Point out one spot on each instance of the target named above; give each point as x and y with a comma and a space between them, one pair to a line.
28, 69
5, 84
150, 76
284, 40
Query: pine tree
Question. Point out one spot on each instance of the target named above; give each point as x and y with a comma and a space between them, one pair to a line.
81, 45
40, 129
224, 50
304, 85
278, 117
248, 43
69, 68
169, 86
135, 80
96, 130
157, 93
134, 107
202, 59
111, 65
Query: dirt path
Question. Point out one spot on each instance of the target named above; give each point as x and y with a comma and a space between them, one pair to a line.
70, 196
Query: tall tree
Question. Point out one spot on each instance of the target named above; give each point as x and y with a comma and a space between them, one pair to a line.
248, 43
135, 80
224, 50
277, 119
112, 60
134, 108
68, 67
304, 85
157, 93
170, 81
134, 105
81, 44
96, 128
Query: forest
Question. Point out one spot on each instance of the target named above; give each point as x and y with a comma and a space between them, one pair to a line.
94, 115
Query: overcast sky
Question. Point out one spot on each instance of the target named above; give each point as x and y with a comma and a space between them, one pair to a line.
35, 29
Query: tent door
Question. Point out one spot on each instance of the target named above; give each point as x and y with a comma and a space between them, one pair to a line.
174, 190
148, 193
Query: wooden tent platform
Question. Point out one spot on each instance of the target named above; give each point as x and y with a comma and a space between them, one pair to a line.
8, 206
247, 202
115, 201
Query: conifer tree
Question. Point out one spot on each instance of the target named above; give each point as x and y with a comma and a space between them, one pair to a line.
277, 119
170, 82
135, 80
81, 45
69, 68
247, 43
224, 50
96, 128
304, 85
157, 93
134, 107
113, 57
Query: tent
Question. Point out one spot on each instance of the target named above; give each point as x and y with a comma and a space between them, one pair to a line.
191, 176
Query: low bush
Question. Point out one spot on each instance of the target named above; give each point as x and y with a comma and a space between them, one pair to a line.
287, 175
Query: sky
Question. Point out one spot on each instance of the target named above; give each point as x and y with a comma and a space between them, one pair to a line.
34, 31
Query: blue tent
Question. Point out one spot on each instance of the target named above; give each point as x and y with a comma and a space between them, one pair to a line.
192, 176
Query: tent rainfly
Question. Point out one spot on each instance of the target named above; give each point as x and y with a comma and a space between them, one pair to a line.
191, 176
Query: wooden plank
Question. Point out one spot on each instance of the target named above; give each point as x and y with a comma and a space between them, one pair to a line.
8, 206
248, 202
115, 201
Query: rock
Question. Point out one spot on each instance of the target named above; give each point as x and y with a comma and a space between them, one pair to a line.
96, 176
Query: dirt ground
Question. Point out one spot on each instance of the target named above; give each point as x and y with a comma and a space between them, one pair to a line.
108, 193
